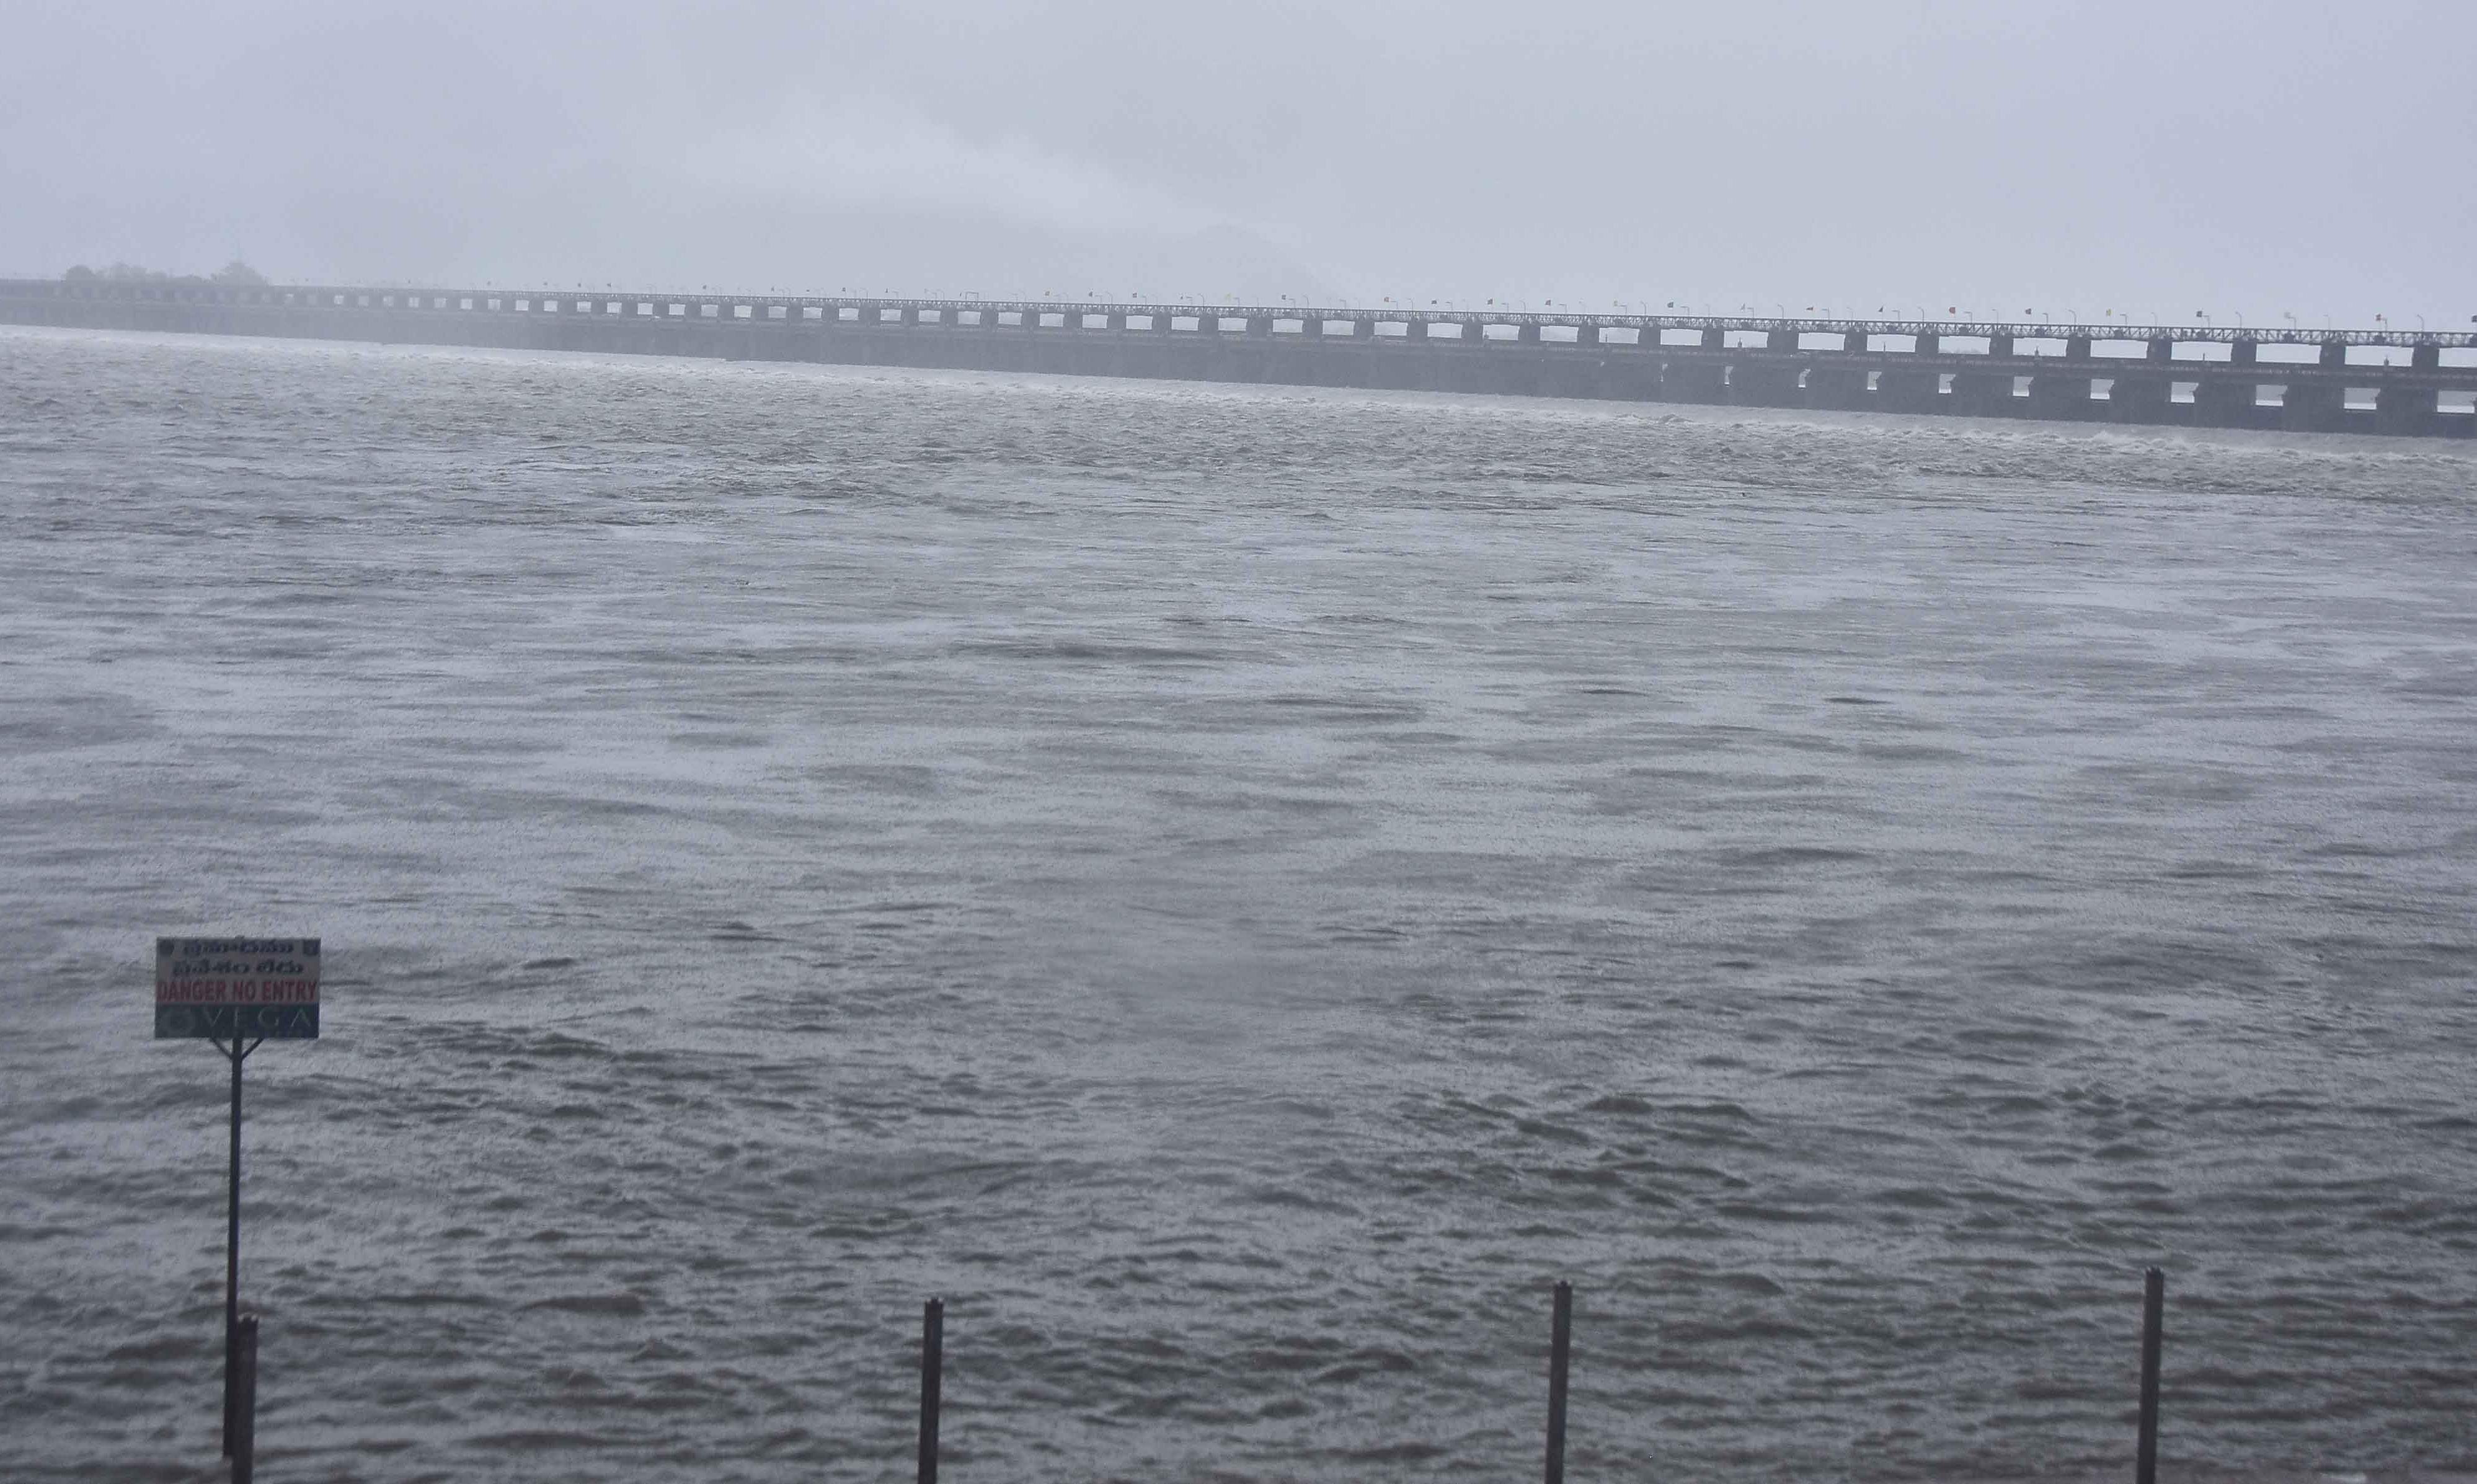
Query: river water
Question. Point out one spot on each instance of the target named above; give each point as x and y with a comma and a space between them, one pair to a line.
1236, 889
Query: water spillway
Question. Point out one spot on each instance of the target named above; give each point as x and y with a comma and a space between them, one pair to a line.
2384, 380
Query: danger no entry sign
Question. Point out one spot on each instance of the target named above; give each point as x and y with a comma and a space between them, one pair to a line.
235, 988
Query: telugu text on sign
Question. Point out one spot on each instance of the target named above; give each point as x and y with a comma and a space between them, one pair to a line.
264, 988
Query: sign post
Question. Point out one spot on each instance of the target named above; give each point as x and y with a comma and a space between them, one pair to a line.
233, 991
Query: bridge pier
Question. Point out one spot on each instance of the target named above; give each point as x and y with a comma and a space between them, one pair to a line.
2312, 407
1981, 393
1768, 384
2225, 401
1840, 387
1695, 377
2139, 396
1631, 378
1911, 391
2057, 395
2406, 410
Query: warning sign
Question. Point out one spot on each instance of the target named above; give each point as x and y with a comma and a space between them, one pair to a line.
250, 988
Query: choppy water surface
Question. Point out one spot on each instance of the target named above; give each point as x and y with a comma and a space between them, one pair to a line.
1235, 890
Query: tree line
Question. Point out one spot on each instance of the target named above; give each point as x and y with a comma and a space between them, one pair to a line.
233, 273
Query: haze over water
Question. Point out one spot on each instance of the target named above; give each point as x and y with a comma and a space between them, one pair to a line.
1235, 889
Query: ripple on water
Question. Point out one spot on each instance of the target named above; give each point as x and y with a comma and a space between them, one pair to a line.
1235, 913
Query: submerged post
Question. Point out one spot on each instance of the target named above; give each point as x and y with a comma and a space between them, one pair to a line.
2154, 1303
241, 1441
1561, 1343
232, 1257
933, 1359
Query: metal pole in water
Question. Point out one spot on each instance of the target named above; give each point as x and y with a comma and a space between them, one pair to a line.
933, 1360
1561, 1343
2153, 1303
232, 1252
244, 1435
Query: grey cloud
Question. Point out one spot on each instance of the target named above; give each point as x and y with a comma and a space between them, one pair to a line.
2154, 159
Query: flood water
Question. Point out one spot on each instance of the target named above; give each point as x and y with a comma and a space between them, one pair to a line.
1237, 890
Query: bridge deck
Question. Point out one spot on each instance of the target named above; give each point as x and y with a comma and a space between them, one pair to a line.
2371, 380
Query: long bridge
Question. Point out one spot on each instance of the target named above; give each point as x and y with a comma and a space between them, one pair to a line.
2383, 381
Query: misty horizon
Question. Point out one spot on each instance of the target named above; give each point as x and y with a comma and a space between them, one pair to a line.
2113, 162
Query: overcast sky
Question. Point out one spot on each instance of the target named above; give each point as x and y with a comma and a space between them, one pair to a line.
2157, 159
